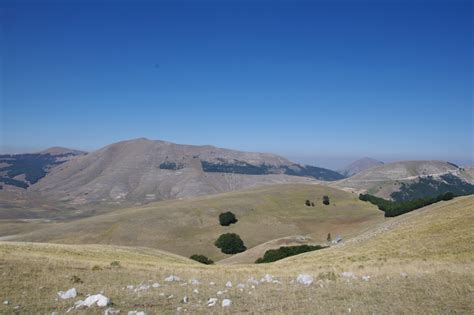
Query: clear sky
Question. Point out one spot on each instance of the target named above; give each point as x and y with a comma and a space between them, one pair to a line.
317, 81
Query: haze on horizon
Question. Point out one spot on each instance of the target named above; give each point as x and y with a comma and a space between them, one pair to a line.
322, 83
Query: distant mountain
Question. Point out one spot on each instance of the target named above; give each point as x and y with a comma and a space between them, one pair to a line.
147, 170
359, 166
407, 180
23, 170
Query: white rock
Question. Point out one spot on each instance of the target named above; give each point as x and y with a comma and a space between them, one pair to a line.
6, 302
211, 302
219, 293
179, 309
241, 286
228, 284
142, 287
170, 297
172, 278
185, 300
111, 311
253, 281
155, 285
98, 299
304, 279
196, 291
16, 307
365, 278
226, 302
404, 274
130, 287
267, 278
136, 313
212, 283
194, 282
349, 275
71, 293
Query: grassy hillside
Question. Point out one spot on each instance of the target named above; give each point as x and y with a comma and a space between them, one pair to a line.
418, 263
191, 226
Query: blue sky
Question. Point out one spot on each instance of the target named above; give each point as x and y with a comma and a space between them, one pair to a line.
319, 81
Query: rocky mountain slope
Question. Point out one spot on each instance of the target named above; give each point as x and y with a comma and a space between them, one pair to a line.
24, 170
147, 170
359, 166
388, 180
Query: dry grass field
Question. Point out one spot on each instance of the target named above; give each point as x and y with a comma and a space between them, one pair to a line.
418, 263
191, 226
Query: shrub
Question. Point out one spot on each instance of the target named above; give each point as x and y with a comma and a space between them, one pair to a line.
202, 259
329, 239
286, 251
115, 263
312, 204
308, 203
227, 218
326, 200
230, 243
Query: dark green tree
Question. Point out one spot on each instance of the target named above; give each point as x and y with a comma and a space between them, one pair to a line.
308, 203
202, 259
230, 243
326, 200
227, 218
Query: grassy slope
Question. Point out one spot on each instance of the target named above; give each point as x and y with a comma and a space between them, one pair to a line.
434, 246
191, 226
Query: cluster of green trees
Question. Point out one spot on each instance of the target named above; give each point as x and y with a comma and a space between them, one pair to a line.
393, 209
202, 259
286, 251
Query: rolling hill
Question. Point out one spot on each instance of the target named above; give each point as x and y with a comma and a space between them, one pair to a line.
191, 226
359, 166
395, 180
143, 170
420, 262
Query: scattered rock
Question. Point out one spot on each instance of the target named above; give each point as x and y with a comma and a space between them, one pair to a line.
111, 311
130, 287
253, 281
228, 284
212, 283
196, 291
142, 287
185, 300
71, 293
155, 285
304, 279
348, 275
6, 302
136, 313
211, 302
226, 302
404, 274
240, 286
98, 299
172, 278
219, 293
194, 282
366, 278
267, 278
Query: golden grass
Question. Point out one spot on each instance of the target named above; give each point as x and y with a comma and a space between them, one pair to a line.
191, 226
433, 246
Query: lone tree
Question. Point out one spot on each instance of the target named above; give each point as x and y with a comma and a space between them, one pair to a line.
326, 200
329, 238
202, 259
227, 218
308, 203
230, 243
